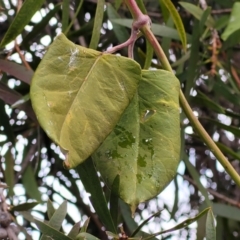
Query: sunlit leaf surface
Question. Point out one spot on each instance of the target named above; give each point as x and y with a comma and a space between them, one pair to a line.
79, 94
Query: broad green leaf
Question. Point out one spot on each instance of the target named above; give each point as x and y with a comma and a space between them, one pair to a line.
197, 12
30, 184
91, 182
86, 236
22, 18
144, 147
51, 232
98, 19
177, 21
210, 226
16, 70
180, 225
72, 95
233, 24
24, 206
157, 29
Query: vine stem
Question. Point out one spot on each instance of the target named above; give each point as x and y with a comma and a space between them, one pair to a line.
143, 23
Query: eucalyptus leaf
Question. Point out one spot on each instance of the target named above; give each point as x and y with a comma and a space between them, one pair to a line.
233, 24
79, 95
144, 147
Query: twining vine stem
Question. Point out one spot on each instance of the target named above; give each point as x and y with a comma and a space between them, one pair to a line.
142, 22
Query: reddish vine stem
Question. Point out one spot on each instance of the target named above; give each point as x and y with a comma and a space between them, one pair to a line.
144, 26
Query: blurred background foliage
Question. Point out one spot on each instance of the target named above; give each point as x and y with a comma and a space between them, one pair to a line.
209, 72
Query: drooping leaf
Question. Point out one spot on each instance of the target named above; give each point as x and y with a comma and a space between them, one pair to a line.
210, 226
197, 12
177, 21
90, 180
181, 225
85, 226
144, 147
24, 206
233, 24
23, 17
97, 24
157, 29
30, 184
72, 95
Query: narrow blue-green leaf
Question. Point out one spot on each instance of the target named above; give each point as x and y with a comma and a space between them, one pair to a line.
57, 218
22, 18
120, 32
197, 12
117, 4
226, 211
97, 24
114, 200
65, 14
164, 11
233, 24
86, 236
30, 184
50, 209
51, 232
9, 172
203, 19
177, 21
210, 226
141, 6
196, 177
74, 231
91, 182
180, 225
39, 27
227, 150
85, 226
149, 56
157, 29
24, 206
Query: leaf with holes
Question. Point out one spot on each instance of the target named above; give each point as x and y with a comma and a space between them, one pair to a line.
79, 95
144, 147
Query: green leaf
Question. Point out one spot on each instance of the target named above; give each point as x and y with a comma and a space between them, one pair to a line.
157, 29
180, 225
85, 226
227, 150
145, 144
65, 14
51, 232
50, 209
91, 182
233, 24
57, 218
97, 24
197, 12
39, 27
72, 95
74, 231
177, 21
9, 172
226, 211
114, 201
24, 206
86, 236
23, 17
30, 184
210, 226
